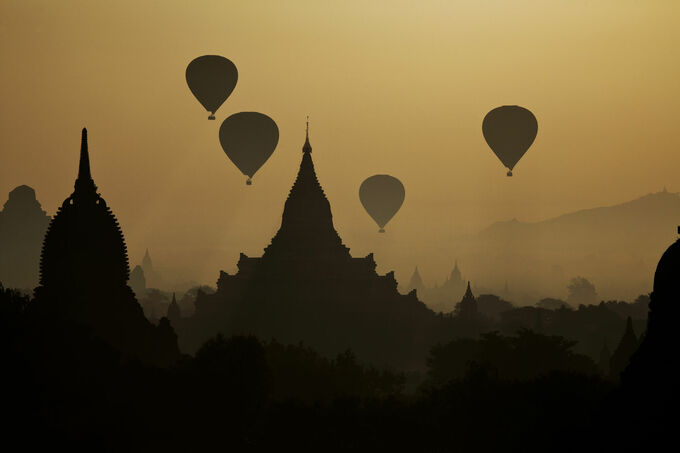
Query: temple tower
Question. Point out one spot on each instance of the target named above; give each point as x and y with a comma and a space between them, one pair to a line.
307, 222
416, 283
307, 287
467, 307
84, 273
22, 227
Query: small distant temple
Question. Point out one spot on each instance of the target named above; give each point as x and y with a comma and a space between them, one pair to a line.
84, 273
440, 298
147, 264
152, 278
307, 287
174, 312
466, 309
137, 282
416, 283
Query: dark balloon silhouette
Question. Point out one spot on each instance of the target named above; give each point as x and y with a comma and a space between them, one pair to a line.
211, 78
248, 139
382, 196
509, 130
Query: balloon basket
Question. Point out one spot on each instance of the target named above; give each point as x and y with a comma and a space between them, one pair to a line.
381, 230
211, 117
249, 182
509, 172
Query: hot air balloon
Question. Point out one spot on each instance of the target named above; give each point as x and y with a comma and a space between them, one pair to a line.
509, 130
382, 196
211, 78
248, 139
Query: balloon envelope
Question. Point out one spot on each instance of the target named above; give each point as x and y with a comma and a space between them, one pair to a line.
382, 196
248, 139
211, 78
509, 130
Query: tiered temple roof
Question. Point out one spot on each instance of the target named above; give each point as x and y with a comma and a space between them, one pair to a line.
307, 287
307, 222
307, 242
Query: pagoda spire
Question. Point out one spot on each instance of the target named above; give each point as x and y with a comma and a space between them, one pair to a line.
147, 264
84, 183
467, 307
307, 148
174, 312
468, 292
455, 273
416, 282
84, 167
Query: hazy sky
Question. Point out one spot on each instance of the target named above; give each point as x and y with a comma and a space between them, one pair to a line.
390, 86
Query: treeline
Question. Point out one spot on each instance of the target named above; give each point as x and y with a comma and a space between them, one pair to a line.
592, 327
65, 387
524, 356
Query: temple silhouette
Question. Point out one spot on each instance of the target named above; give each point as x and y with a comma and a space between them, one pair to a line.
467, 307
627, 346
416, 283
152, 278
84, 272
307, 287
22, 226
645, 407
440, 298
652, 371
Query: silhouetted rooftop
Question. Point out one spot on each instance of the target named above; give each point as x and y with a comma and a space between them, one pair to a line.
666, 277
84, 242
21, 198
307, 222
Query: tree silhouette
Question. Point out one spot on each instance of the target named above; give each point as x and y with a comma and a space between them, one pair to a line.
581, 291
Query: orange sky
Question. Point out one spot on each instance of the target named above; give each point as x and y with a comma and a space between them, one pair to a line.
390, 86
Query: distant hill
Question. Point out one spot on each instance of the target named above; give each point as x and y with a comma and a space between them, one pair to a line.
653, 213
617, 247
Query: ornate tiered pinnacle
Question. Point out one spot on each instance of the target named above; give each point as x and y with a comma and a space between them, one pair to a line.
468, 293
85, 189
307, 221
307, 147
